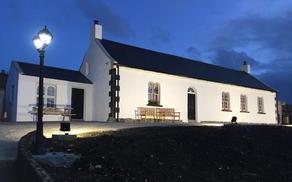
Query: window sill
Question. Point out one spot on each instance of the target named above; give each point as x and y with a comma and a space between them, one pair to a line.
261, 113
244, 111
154, 104
226, 110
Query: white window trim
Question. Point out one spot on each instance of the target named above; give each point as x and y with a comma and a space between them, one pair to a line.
154, 97
224, 94
46, 96
246, 103
261, 111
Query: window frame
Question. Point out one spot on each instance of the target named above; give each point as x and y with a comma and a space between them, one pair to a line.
154, 94
225, 101
46, 96
51, 96
245, 103
261, 105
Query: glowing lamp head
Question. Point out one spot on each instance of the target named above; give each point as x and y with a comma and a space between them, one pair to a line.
43, 39
45, 36
38, 43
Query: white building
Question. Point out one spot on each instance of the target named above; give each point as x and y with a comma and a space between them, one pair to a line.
61, 88
123, 78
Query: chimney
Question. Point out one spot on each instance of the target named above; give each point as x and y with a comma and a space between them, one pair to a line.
97, 30
245, 67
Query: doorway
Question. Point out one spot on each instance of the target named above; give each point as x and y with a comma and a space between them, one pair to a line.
77, 103
191, 104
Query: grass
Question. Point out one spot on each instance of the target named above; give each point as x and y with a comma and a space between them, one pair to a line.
230, 153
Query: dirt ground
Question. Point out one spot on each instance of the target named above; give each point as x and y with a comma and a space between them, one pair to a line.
229, 153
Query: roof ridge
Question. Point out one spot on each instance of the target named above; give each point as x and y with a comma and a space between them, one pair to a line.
180, 57
47, 66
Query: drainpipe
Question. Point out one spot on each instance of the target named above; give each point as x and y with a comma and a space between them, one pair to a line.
277, 109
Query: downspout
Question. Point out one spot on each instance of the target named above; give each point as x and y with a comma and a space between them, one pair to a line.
277, 109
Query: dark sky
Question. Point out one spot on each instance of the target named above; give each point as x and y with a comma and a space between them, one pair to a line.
224, 32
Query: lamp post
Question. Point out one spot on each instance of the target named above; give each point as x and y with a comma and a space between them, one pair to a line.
41, 41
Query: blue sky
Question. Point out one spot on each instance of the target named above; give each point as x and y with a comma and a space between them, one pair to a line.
224, 32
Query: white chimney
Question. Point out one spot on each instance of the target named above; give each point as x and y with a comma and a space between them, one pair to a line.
245, 67
97, 30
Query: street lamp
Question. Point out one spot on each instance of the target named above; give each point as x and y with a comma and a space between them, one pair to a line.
41, 41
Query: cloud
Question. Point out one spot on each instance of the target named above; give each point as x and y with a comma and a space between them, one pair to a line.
193, 51
265, 42
279, 77
112, 22
159, 37
257, 31
232, 58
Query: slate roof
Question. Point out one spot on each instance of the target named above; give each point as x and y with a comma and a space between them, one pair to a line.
52, 72
140, 58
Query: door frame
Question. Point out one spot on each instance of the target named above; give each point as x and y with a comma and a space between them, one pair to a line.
84, 100
192, 90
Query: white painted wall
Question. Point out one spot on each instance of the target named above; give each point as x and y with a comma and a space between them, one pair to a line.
27, 86
11, 98
133, 94
99, 64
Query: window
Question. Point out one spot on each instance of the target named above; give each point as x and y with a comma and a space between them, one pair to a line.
49, 96
261, 105
225, 101
243, 103
153, 94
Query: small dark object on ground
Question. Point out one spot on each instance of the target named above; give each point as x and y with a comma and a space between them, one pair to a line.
234, 120
65, 126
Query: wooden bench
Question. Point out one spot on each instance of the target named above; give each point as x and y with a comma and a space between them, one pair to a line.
144, 113
65, 112
47, 111
167, 113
